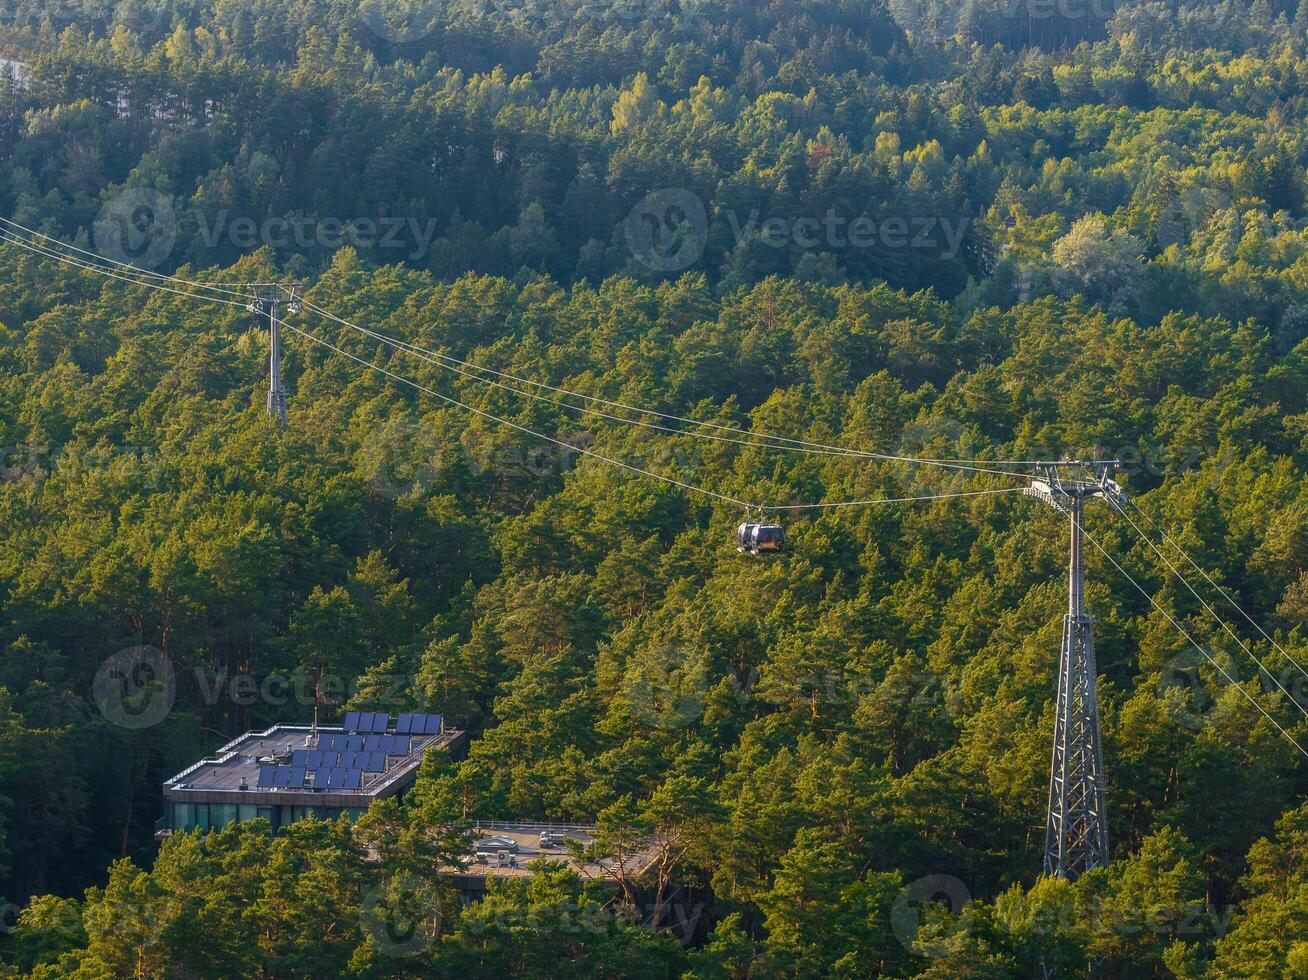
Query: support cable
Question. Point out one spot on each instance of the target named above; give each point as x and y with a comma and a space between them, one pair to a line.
1220, 591
100, 270
1154, 602
1230, 632
135, 270
627, 466
959, 464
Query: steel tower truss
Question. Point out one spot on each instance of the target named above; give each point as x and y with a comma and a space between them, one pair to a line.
1076, 827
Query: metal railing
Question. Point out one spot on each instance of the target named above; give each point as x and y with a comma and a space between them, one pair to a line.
528, 827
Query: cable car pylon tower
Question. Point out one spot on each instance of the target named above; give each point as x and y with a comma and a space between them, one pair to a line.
1076, 825
271, 299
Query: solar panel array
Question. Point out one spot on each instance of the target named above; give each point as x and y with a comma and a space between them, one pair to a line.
337, 778
342, 758
367, 721
418, 724
376, 723
281, 777
386, 744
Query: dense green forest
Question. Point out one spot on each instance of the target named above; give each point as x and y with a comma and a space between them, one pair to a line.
1008, 229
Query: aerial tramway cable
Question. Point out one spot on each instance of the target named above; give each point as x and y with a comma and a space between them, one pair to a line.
781, 442
1247, 648
135, 270
451, 363
1180, 629
18, 240
162, 280
1167, 538
748, 505
100, 270
438, 360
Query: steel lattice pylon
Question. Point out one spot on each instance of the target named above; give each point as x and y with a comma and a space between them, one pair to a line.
1076, 828
269, 301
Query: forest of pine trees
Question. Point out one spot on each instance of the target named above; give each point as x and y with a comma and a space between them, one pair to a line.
1006, 229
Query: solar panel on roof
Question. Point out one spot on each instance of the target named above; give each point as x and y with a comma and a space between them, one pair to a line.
321, 778
375, 762
298, 756
351, 721
402, 723
433, 726
281, 776
383, 721
353, 778
296, 780
400, 745
355, 743
266, 775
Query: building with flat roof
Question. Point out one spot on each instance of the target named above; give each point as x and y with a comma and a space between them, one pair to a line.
291, 772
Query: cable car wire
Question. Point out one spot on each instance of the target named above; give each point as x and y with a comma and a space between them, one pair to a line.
748, 505
216, 287
11, 238
961, 464
1230, 632
100, 270
1220, 591
432, 358
1154, 602
445, 361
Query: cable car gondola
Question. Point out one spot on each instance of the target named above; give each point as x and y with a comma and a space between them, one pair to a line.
755, 538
